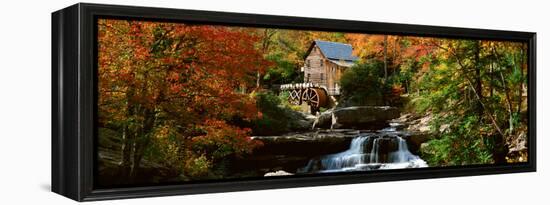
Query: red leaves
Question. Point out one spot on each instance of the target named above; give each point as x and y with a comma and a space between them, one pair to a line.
188, 74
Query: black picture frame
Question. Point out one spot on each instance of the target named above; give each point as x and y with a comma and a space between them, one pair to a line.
74, 96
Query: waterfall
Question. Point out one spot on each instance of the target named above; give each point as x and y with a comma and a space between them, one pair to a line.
402, 154
374, 152
368, 152
403, 158
354, 155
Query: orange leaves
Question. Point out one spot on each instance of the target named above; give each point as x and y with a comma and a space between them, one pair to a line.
141, 53
222, 140
397, 90
398, 48
365, 45
173, 77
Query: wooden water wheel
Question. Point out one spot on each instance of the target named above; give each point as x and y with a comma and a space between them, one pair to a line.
315, 98
295, 97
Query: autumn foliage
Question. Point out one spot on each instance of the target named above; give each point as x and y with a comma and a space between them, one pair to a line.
181, 80
190, 96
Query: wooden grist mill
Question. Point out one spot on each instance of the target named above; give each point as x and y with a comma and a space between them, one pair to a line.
323, 66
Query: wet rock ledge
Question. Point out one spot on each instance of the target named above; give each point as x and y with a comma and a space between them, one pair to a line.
292, 151
357, 117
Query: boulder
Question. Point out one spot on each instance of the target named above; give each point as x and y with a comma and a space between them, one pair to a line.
283, 121
301, 121
324, 120
420, 125
357, 117
416, 139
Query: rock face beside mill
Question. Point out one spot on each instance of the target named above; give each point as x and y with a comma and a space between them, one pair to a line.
357, 117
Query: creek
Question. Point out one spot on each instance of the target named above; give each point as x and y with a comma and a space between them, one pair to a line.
383, 149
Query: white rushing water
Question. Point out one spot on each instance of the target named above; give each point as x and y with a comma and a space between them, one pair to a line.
368, 153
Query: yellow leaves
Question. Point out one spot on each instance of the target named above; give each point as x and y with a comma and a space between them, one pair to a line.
442, 67
163, 132
197, 166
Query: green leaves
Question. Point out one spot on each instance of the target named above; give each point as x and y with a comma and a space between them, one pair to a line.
474, 88
363, 84
463, 145
283, 71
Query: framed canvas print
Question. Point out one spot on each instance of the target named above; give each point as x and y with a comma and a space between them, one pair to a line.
155, 101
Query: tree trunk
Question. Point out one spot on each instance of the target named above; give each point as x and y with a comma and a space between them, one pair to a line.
394, 56
385, 57
266, 42
520, 86
508, 102
258, 76
407, 86
143, 133
491, 87
126, 151
143, 140
479, 88
128, 137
